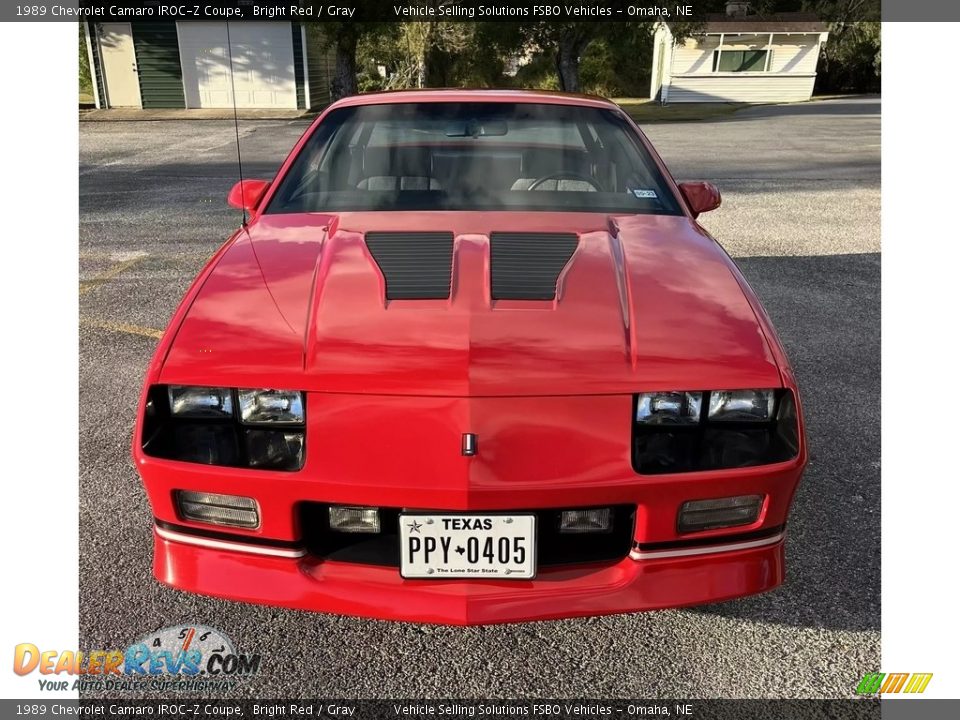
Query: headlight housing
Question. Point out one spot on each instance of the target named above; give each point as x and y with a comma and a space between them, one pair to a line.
713, 430
256, 428
264, 407
200, 402
669, 408
741, 405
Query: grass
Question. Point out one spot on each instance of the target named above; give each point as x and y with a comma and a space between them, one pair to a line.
643, 110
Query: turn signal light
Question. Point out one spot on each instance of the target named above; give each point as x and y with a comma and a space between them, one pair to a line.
719, 513
232, 510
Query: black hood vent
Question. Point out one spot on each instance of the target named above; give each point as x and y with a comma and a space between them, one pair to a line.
526, 266
415, 265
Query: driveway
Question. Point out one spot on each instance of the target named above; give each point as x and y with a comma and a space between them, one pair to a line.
801, 215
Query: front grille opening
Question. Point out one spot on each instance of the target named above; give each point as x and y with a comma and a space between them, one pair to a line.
553, 548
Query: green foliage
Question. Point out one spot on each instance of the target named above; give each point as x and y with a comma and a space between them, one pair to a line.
483, 62
540, 73
375, 50
86, 83
618, 64
850, 59
438, 54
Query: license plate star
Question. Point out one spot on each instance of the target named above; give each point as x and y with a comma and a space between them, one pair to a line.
415, 526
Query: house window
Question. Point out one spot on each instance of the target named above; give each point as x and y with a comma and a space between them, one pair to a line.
739, 60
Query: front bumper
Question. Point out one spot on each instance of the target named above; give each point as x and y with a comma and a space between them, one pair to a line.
534, 453
369, 591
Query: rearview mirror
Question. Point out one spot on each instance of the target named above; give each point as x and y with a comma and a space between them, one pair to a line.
247, 194
478, 128
701, 196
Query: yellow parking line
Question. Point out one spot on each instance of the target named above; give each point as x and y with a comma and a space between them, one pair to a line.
123, 328
108, 274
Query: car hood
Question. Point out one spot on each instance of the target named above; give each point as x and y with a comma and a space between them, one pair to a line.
646, 302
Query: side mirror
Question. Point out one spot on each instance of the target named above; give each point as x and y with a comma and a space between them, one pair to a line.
701, 196
247, 195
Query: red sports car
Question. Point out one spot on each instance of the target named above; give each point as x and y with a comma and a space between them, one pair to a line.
471, 360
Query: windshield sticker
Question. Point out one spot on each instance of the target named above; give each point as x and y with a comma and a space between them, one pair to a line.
644, 193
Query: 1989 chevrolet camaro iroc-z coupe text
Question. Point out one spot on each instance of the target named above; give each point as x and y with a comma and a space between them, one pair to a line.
471, 360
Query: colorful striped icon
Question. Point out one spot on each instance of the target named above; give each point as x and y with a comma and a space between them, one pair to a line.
893, 683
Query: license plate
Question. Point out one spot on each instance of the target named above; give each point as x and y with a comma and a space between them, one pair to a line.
468, 546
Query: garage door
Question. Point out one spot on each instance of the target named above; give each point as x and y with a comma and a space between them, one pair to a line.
262, 64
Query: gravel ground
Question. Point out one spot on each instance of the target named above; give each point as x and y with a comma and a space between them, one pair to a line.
801, 214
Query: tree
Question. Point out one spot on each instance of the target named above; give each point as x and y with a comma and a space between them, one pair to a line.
438, 54
344, 38
428, 46
618, 64
850, 59
568, 41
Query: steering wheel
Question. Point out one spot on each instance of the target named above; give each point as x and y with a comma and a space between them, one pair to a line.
566, 176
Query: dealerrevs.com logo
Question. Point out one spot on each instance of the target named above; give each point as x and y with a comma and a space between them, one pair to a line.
192, 658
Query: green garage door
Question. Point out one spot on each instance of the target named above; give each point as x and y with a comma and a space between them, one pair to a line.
158, 62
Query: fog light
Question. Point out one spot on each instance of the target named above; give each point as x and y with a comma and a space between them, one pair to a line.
719, 513
216, 509
354, 519
574, 522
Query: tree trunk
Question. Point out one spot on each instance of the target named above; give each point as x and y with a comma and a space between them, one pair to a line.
421, 71
344, 80
435, 66
568, 65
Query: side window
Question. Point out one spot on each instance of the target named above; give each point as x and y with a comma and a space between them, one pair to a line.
739, 60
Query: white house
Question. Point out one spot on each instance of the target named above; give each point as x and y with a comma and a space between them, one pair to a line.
188, 65
739, 58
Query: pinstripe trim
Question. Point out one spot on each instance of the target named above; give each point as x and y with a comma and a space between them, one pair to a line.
706, 549
227, 545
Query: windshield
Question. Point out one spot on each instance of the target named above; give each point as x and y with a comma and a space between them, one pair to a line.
474, 156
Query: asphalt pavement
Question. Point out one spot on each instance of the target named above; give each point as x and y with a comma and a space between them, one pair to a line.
800, 214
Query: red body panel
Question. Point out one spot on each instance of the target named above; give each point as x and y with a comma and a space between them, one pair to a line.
646, 303
626, 586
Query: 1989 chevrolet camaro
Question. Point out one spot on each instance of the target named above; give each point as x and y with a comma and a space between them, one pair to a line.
471, 360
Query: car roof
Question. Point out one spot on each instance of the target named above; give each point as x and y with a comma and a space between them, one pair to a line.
461, 95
